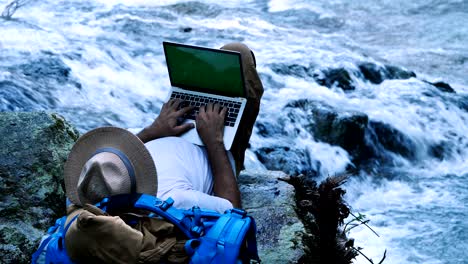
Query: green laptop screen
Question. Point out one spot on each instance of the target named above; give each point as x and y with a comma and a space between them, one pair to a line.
205, 70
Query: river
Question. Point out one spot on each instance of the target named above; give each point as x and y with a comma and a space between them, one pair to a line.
101, 63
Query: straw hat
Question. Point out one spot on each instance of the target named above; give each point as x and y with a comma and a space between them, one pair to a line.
108, 161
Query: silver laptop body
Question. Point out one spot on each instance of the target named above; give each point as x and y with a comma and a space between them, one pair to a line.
196, 95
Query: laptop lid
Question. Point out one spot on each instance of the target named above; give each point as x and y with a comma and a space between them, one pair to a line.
206, 70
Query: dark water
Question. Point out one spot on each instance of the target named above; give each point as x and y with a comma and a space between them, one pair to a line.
101, 63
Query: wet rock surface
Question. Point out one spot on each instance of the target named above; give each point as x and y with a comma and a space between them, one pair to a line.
389, 138
442, 86
272, 203
339, 77
31, 86
34, 147
368, 142
292, 161
343, 128
343, 77
376, 74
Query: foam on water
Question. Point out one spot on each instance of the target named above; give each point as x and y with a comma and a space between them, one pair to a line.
420, 215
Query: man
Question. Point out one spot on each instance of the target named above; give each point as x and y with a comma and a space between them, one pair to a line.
203, 176
109, 161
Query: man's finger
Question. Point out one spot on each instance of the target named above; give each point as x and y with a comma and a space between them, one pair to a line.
216, 108
184, 110
202, 109
183, 128
209, 107
223, 112
165, 105
176, 103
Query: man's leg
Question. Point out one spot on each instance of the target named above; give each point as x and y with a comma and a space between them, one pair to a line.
254, 91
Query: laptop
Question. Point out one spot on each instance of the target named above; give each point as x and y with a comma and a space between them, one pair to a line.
201, 75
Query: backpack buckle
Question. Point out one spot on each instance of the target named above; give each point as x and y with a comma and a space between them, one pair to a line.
198, 230
164, 205
220, 246
103, 203
240, 212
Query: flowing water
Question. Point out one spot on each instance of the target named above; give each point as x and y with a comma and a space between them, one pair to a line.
101, 63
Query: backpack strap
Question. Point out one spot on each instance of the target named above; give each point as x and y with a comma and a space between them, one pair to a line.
192, 222
226, 233
51, 231
223, 242
56, 232
252, 251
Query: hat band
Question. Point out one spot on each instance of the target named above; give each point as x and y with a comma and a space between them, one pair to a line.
126, 162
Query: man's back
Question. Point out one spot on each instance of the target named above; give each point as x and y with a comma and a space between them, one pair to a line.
184, 174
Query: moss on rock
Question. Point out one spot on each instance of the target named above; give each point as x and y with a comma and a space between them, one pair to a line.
34, 147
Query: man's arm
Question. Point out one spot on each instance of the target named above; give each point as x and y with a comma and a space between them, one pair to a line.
165, 124
210, 127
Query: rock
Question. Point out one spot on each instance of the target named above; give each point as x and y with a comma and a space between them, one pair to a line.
32, 86
442, 86
369, 143
267, 129
186, 29
269, 82
391, 139
330, 77
48, 66
371, 72
376, 74
292, 161
34, 148
272, 203
394, 72
292, 70
441, 150
342, 77
335, 77
17, 97
462, 102
343, 128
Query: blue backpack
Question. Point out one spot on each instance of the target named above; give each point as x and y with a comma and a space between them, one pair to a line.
212, 237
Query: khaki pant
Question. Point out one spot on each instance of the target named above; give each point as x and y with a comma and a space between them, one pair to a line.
254, 89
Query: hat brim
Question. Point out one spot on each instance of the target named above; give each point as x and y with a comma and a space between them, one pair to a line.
110, 137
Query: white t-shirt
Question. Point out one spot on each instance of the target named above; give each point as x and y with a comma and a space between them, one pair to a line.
184, 174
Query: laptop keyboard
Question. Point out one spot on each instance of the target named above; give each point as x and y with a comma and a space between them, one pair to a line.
197, 101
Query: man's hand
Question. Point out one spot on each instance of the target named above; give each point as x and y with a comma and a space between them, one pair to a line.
165, 124
210, 127
210, 124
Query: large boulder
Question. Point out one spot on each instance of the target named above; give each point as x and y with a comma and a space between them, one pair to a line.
34, 147
369, 143
338, 77
376, 74
342, 77
384, 136
346, 129
328, 77
271, 202
442, 86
